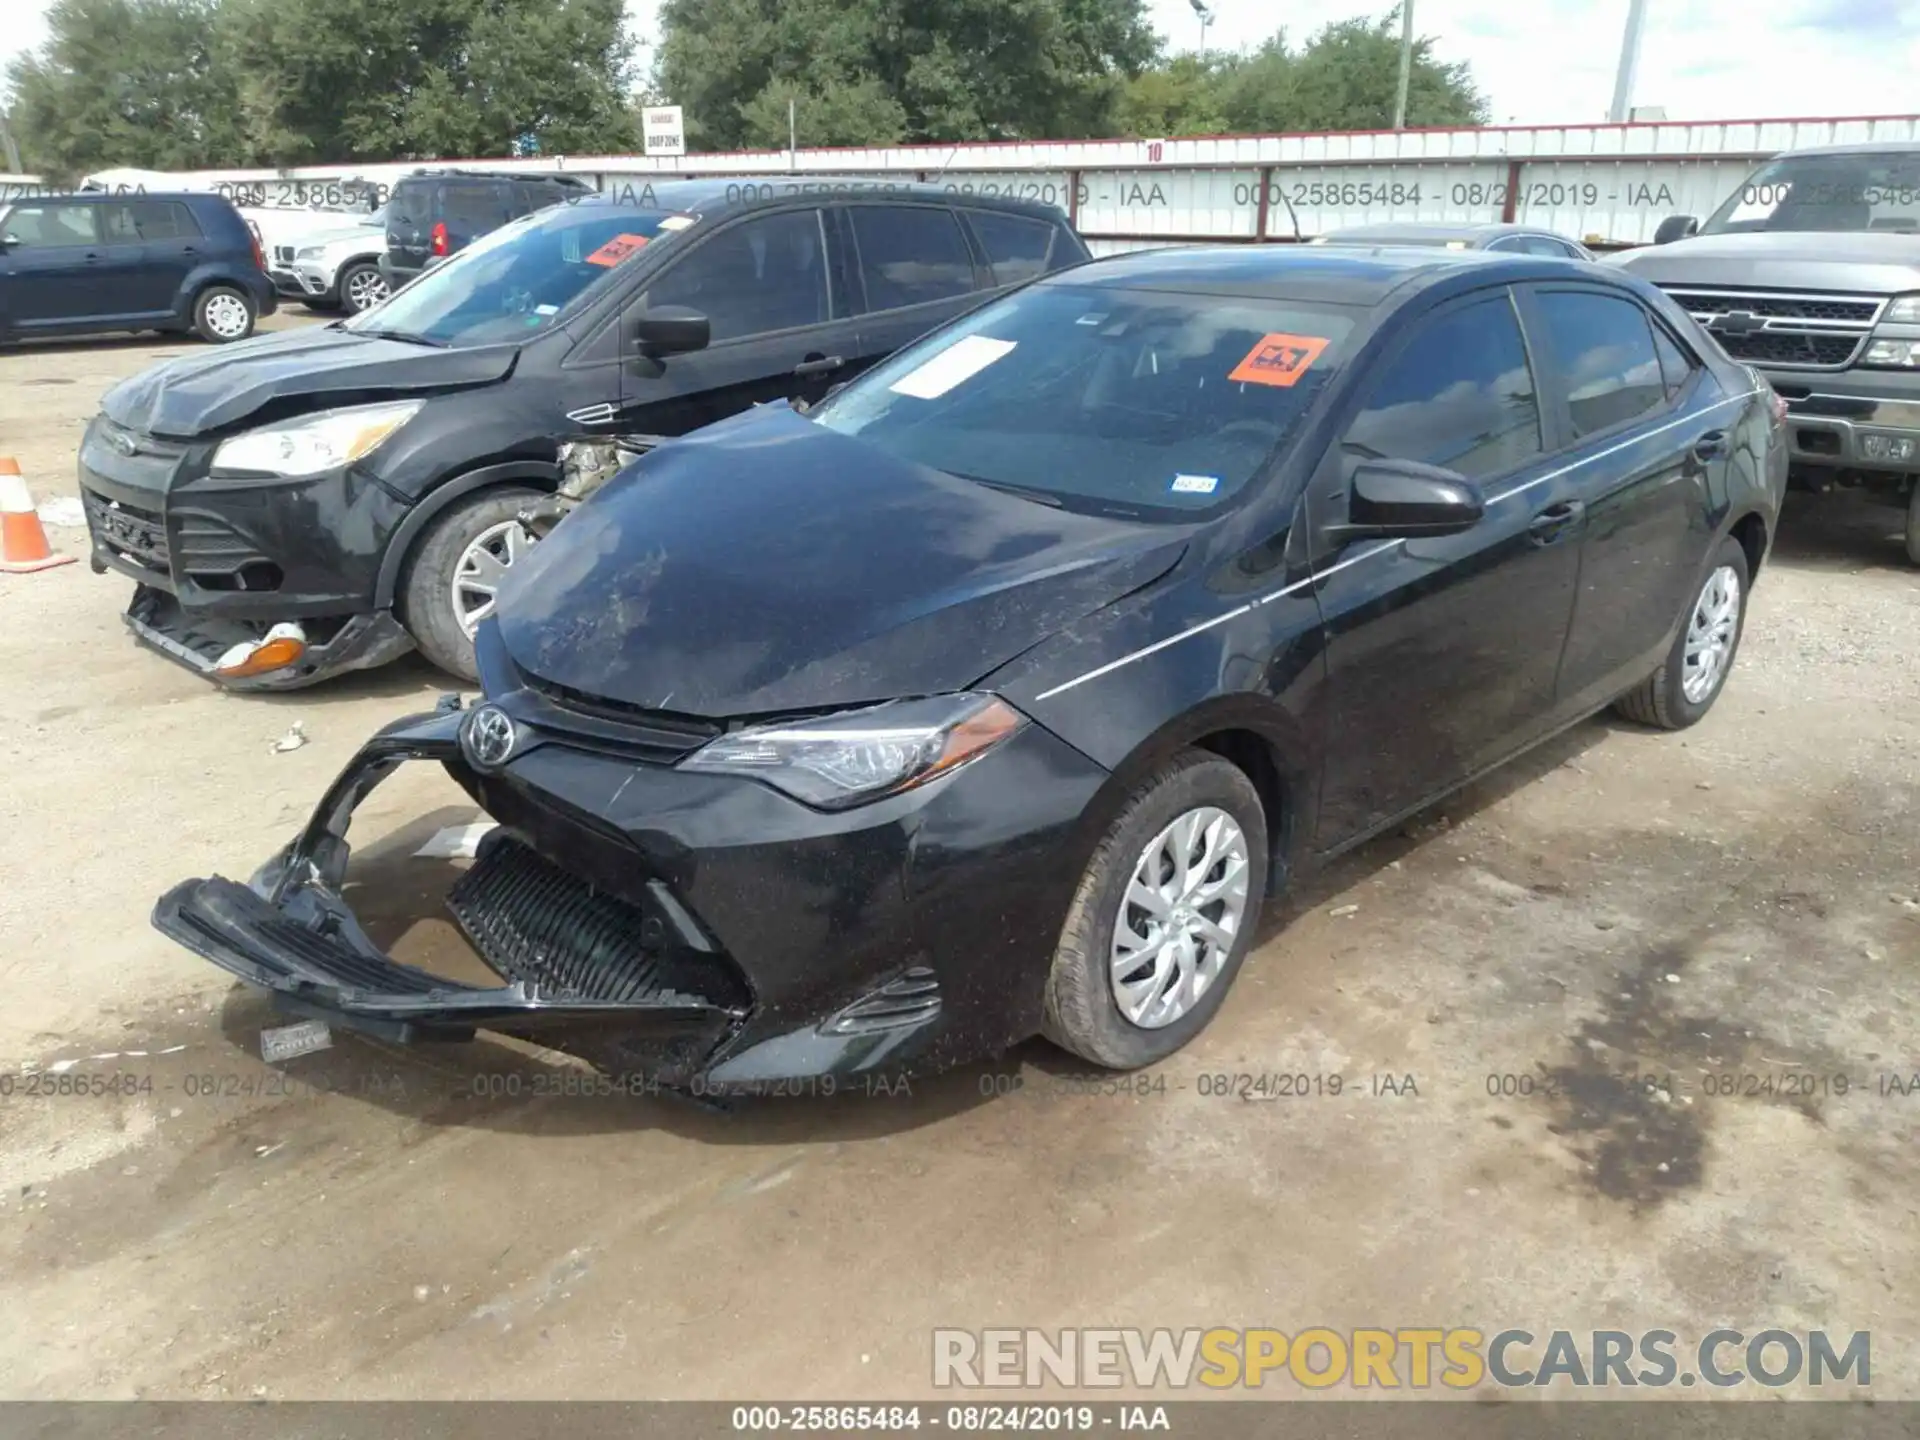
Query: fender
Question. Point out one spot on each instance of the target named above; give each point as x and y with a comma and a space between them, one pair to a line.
543, 474
214, 272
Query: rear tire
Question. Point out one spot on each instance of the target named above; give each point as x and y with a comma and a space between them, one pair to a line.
1084, 988
1913, 523
469, 529
1695, 671
223, 314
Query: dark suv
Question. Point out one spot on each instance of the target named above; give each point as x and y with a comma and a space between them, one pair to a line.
434, 214
326, 498
90, 264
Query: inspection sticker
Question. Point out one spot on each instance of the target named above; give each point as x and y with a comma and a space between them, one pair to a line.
617, 249
1279, 359
1195, 484
959, 361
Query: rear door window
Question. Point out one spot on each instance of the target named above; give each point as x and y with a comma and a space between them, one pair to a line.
910, 255
1016, 247
164, 220
51, 226
763, 274
1676, 366
474, 207
1459, 395
1604, 346
117, 226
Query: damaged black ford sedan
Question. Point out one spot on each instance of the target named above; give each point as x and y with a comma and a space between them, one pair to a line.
995, 695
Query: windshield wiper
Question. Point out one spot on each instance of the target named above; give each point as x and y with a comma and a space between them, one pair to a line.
406, 337
1023, 491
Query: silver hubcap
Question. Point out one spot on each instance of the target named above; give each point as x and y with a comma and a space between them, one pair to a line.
365, 289
1716, 620
226, 316
483, 565
1179, 918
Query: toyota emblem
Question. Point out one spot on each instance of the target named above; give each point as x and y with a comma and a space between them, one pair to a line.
489, 737
122, 442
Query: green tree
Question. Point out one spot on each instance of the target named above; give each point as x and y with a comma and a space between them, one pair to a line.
1344, 78
125, 82
886, 71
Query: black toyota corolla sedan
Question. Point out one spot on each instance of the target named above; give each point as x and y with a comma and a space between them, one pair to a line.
995, 694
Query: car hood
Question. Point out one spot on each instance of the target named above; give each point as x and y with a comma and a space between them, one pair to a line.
291, 372
770, 564
1870, 264
338, 235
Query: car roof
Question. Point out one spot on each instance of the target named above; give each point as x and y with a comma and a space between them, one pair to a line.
109, 197
725, 192
1302, 272
1437, 232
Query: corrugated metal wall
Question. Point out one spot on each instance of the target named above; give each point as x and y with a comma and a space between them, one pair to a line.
1611, 184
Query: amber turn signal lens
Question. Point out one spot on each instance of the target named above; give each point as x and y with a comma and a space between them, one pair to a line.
272, 655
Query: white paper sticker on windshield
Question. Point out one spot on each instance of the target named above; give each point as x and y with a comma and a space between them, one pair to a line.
959, 361
1195, 484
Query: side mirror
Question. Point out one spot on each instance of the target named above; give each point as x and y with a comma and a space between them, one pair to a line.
1675, 227
1403, 500
671, 330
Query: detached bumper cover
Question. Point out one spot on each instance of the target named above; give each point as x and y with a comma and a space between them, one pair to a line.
689, 928
361, 642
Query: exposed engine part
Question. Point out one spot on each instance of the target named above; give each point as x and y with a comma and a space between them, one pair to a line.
585, 465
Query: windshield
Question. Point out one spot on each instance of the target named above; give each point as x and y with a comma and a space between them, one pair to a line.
514, 281
1826, 192
1130, 402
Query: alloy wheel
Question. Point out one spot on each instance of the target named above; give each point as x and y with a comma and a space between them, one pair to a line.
365, 289
481, 568
1710, 635
1182, 912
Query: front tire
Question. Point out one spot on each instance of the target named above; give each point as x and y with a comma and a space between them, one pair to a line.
1164, 916
1690, 679
223, 314
361, 286
450, 582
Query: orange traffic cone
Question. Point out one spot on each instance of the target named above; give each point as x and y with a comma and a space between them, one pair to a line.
23, 540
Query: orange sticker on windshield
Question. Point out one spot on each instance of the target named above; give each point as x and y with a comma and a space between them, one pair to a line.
616, 249
1279, 359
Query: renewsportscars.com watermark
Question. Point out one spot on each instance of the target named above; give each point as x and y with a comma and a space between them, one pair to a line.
1320, 1358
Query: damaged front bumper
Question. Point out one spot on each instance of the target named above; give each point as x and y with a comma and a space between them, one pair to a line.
634, 987
247, 655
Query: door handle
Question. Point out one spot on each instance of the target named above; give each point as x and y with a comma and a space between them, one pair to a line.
1556, 522
818, 365
1710, 446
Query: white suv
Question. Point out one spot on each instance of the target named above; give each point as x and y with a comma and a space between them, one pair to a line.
334, 268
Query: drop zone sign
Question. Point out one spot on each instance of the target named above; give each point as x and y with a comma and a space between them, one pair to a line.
663, 130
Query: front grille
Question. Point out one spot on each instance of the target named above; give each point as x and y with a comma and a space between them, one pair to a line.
1775, 347
283, 254
207, 547
1861, 308
1808, 331
140, 535
652, 735
534, 922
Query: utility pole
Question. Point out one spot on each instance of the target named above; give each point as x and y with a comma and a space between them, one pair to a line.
1406, 64
9, 152
793, 135
1206, 19
1622, 110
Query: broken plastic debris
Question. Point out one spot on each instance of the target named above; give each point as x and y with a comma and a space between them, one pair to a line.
456, 842
1341, 911
64, 511
295, 737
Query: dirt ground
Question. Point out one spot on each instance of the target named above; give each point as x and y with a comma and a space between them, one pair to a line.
1741, 900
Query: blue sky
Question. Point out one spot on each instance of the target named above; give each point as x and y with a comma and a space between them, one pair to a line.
1552, 61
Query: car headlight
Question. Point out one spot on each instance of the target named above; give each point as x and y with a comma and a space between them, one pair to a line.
1903, 310
314, 443
1905, 353
309, 252
860, 755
